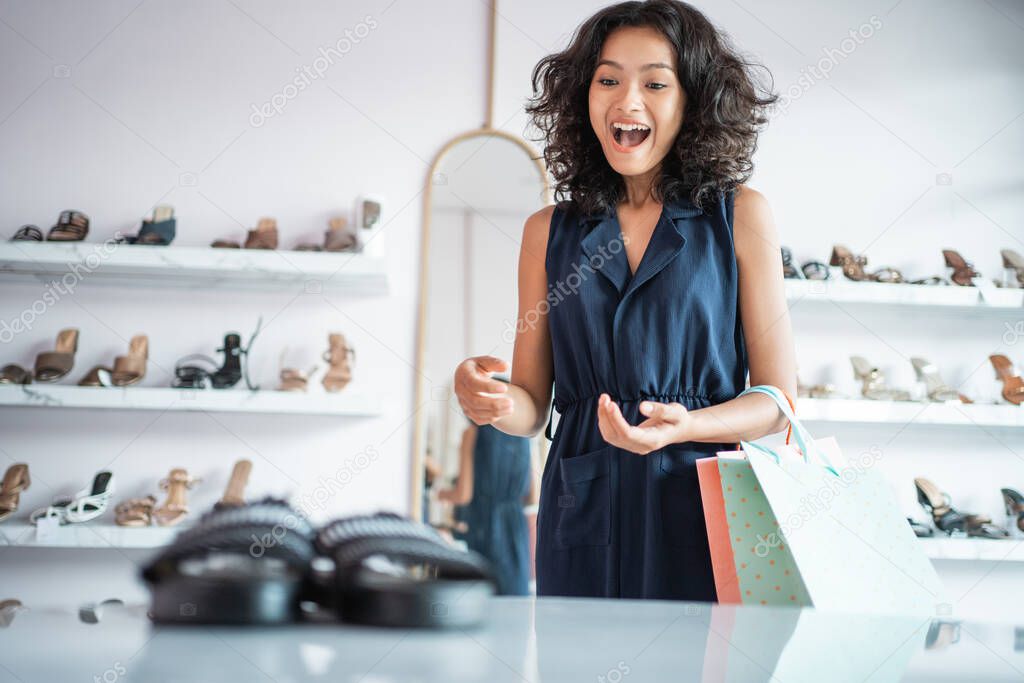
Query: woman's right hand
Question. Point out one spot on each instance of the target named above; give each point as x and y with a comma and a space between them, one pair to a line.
481, 397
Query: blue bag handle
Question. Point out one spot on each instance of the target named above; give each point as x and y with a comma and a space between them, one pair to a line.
804, 440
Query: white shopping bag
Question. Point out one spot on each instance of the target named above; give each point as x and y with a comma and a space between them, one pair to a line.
852, 546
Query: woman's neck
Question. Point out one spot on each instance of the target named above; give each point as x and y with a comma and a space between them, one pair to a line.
640, 189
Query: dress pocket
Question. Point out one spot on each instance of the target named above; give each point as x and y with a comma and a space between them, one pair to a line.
584, 499
682, 515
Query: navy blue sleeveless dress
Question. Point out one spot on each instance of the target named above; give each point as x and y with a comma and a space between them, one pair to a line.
612, 523
497, 524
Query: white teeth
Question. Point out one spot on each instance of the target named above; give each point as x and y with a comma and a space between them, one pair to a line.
629, 126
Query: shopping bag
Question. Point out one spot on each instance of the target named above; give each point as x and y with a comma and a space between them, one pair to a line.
737, 514
849, 542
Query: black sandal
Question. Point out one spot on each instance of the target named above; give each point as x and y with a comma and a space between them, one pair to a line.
242, 565
199, 371
72, 226
158, 230
392, 571
28, 233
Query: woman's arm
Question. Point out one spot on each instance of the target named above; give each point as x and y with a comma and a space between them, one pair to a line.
769, 341
519, 408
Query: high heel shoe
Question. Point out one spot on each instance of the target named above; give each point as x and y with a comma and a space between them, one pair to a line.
175, 508
1012, 261
1014, 505
52, 365
1013, 385
130, 369
963, 270
936, 389
789, 270
87, 504
874, 386
16, 480
264, 236
234, 494
853, 266
339, 372
950, 520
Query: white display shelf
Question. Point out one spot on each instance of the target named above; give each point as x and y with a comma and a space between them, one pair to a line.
981, 549
865, 411
194, 267
344, 403
88, 535
950, 298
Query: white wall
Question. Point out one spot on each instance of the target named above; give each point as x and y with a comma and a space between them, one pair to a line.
110, 108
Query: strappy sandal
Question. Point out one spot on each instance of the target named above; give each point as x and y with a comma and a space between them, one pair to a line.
52, 365
215, 573
15, 374
175, 508
16, 480
159, 230
135, 512
199, 371
963, 271
873, 382
71, 226
264, 236
890, 275
921, 530
816, 270
130, 369
853, 266
88, 504
28, 233
234, 494
339, 372
294, 380
1013, 384
950, 520
391, 571
936, 389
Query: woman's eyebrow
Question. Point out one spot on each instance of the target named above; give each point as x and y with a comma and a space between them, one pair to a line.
645, 67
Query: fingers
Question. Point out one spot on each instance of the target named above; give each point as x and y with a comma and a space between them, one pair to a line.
486, 410
474, 376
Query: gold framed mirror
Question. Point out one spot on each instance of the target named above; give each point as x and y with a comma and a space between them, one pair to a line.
480, 188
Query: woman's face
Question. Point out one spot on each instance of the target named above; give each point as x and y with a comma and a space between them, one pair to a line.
636, 101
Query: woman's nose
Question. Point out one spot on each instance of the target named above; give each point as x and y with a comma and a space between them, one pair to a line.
632, 99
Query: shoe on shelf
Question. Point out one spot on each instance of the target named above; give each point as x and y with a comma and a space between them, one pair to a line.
935, 388
963, 271
950, 520
853, 266
71, 226
264, 236
175, 508
87, 504
789, 270
28, 233
52, 365
816, 270
16, 480
873, 382
131, 368
1013, 384
15, 374
339, 371
1013, 265
135, 512
1014, 505
199, 371
159, 230
234, 494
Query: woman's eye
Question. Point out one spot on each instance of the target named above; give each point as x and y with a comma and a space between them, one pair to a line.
656, 86
607, 81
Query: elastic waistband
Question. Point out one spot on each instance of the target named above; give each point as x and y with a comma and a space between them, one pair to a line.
561, 405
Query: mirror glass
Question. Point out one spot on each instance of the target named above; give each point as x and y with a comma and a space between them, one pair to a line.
481, 192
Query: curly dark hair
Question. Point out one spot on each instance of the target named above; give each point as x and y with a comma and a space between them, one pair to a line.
725, 109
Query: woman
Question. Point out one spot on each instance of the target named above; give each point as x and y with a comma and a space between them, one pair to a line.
494, 483
645, 296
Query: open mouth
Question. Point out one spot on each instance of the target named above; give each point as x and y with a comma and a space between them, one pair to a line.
630, 134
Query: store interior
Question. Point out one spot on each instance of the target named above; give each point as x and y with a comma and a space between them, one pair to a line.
265, 237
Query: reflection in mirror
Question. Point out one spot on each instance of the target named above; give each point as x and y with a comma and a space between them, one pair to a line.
480, 484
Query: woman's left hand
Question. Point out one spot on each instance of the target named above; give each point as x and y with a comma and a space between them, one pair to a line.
665, 424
